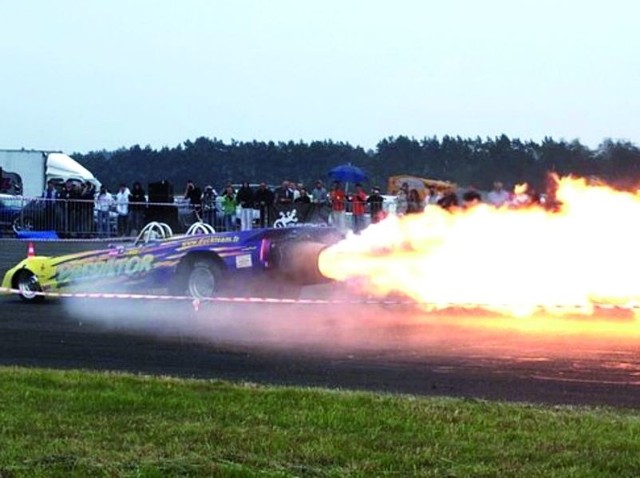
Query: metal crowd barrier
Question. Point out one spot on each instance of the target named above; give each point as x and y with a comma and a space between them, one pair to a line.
85, 218
88, 219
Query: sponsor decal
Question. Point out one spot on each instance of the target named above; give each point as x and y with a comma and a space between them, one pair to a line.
205, 241
243, 261
286, 218
128, 266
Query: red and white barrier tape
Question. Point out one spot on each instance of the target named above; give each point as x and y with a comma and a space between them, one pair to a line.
274, 300
231, 299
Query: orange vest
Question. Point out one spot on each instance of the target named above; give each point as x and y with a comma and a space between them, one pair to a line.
359, 203
338, 200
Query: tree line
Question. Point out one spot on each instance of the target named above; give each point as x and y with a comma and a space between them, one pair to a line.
465, 161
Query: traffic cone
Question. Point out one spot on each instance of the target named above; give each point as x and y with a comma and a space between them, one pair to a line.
31, 251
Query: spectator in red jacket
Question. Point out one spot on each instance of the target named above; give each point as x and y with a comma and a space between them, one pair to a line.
338, 200
358, 202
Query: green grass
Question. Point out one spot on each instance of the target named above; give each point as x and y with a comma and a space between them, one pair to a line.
95, 424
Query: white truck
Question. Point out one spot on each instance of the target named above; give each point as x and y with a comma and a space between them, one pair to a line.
25, 172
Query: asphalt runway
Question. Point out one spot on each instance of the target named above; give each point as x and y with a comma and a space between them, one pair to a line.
363, 347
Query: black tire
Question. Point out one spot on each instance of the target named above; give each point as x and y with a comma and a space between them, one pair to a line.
28, 287
200, 279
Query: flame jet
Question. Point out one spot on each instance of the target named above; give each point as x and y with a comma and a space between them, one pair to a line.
510, 260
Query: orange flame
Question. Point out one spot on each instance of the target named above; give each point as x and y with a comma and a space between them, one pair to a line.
517, 262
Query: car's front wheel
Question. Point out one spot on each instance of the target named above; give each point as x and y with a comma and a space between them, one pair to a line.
28, 286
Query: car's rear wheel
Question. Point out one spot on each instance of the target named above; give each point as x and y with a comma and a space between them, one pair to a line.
28, 286
201, 279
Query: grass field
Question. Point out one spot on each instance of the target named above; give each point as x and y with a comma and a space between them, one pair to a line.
95, 424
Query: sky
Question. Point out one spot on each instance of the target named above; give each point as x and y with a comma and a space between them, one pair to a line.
80, 75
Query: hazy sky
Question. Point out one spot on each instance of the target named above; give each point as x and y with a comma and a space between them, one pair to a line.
87, 75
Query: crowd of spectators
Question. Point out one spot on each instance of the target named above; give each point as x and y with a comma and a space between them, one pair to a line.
81, 210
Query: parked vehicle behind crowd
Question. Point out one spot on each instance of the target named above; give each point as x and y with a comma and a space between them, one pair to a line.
10, 208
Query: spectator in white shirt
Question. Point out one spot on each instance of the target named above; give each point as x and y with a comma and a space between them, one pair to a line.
122, 208
104, 202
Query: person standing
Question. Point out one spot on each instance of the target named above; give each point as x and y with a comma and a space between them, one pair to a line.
449, 199
70, 196
414, 202
122, 208
303, 197
338, 200
402, 200
284, 194
295, 189
194, 195
50, 195
283, 201
432, 197
319, 194
498, 196
209, 212
245, 200
104, 202
137, 201
358, 202
229, 205
87, 196
263, 198
375, 201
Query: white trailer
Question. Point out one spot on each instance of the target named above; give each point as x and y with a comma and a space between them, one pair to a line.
28, 168
26, 172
